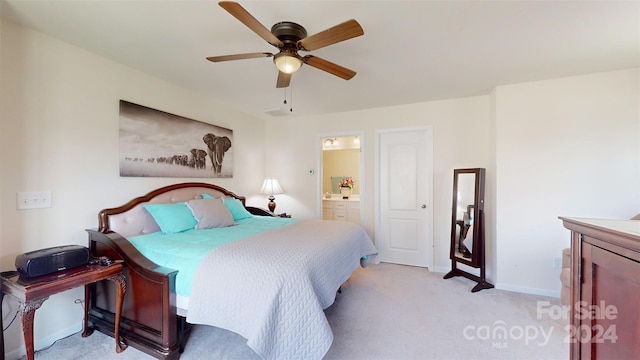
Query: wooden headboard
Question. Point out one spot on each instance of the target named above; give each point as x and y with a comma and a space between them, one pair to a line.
132, 219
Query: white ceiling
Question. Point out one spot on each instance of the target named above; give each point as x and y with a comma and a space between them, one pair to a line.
412, 51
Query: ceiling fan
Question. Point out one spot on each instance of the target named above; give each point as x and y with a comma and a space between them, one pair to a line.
290, 38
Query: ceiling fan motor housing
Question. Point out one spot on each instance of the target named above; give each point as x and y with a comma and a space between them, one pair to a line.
289, 33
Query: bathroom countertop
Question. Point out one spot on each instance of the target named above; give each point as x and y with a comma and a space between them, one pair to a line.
338, 197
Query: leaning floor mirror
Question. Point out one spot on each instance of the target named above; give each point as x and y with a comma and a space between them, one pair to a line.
467, 226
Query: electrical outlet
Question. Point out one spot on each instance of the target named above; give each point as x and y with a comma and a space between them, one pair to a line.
557, 262
33, 200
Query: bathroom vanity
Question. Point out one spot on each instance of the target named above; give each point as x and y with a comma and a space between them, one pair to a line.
339, 209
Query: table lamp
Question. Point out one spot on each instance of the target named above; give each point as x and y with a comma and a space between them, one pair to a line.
271, 187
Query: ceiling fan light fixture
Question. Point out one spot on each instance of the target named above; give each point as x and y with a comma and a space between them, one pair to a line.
289, 38
287, 62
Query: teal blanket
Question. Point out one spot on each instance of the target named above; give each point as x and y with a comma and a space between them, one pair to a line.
184, 251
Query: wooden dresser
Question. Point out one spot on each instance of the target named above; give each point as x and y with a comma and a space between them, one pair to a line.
605, 288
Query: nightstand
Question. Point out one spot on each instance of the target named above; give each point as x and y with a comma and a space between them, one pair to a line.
32, 292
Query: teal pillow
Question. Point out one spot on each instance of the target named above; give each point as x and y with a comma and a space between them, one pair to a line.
207, 196
236, 209
172, 218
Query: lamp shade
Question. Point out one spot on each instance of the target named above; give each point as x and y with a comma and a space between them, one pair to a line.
270, 186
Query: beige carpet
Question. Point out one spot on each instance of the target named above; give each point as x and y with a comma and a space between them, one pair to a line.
390, 311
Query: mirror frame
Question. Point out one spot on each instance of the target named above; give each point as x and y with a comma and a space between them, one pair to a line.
478, 211
477, 259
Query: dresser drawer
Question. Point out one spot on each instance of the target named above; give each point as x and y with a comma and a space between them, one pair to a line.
340, 215
340, 205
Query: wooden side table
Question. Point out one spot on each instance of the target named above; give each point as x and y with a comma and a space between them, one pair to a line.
32, 292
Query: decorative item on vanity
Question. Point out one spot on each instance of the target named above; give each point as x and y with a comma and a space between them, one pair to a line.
467, 225
271, 187
345, 185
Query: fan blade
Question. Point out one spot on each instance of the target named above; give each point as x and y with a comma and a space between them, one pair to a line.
283, 80
252, 23
341, 32
238, 56
329, 67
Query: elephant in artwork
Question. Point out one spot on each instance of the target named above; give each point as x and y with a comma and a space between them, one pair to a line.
218, 145
198, 159
179, 160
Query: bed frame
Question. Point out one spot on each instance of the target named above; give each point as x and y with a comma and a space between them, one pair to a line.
150, 321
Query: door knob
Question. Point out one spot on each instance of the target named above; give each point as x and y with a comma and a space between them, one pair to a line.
424, 206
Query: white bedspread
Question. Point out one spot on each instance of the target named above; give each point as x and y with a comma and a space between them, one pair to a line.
272, 288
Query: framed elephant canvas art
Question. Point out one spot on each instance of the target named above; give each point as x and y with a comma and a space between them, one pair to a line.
155, 143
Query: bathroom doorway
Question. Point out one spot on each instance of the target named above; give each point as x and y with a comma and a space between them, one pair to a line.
341, 163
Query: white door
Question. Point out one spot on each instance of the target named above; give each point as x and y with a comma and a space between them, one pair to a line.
405, 191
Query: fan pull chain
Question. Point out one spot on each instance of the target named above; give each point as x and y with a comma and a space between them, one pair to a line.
290, 98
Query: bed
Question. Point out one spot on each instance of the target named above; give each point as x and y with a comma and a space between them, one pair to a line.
264, 277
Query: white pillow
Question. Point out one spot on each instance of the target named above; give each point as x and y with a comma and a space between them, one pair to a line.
210, 213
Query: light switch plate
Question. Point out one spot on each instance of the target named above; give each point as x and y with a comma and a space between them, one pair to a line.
33, 200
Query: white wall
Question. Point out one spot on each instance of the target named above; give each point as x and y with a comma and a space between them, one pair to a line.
59, 133
558, 147
564, 147
453, 148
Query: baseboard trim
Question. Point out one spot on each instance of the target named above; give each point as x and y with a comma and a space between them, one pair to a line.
45, 342
508, 287
441, 269
528, 290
